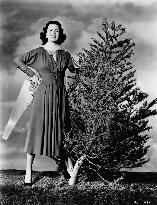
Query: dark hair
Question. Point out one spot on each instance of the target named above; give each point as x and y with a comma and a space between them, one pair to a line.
62, 36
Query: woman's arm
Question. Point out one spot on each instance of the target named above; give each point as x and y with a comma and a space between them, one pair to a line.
22, 62
23, 67
72, 66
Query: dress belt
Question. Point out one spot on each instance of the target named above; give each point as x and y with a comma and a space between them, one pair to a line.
53, 77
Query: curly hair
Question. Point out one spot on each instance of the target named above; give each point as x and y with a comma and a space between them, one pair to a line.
62, 36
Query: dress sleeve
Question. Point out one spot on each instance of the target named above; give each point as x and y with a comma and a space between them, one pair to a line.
71, 66
25, 60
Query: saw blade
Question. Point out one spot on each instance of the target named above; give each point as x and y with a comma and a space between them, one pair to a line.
24, 99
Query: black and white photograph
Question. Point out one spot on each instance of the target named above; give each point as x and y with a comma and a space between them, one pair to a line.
78, 102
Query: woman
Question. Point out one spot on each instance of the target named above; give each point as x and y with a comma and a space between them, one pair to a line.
50, 112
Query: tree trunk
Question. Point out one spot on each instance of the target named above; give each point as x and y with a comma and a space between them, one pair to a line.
75, 170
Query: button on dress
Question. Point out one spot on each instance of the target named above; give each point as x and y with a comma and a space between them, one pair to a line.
50, 113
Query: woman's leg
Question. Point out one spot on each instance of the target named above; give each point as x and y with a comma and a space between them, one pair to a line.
69, 165
66, 167
30, 159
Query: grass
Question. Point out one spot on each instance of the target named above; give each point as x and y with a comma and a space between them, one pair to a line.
51, 188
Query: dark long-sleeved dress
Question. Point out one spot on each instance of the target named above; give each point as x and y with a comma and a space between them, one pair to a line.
50, 112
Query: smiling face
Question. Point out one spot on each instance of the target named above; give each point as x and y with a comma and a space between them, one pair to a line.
52, 32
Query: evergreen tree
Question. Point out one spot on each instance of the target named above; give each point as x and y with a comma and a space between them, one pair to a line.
109, 111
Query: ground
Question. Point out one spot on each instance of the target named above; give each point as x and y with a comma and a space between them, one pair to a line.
52, 188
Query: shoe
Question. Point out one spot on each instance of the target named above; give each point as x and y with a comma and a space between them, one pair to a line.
28, 184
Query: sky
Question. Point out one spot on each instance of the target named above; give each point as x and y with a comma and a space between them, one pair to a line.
20, 25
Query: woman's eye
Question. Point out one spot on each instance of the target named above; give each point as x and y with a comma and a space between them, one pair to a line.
54, 30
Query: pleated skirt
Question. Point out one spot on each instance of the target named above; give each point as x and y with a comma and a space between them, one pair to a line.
49, 116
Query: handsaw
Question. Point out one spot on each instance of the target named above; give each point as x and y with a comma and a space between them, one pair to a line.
24, 99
